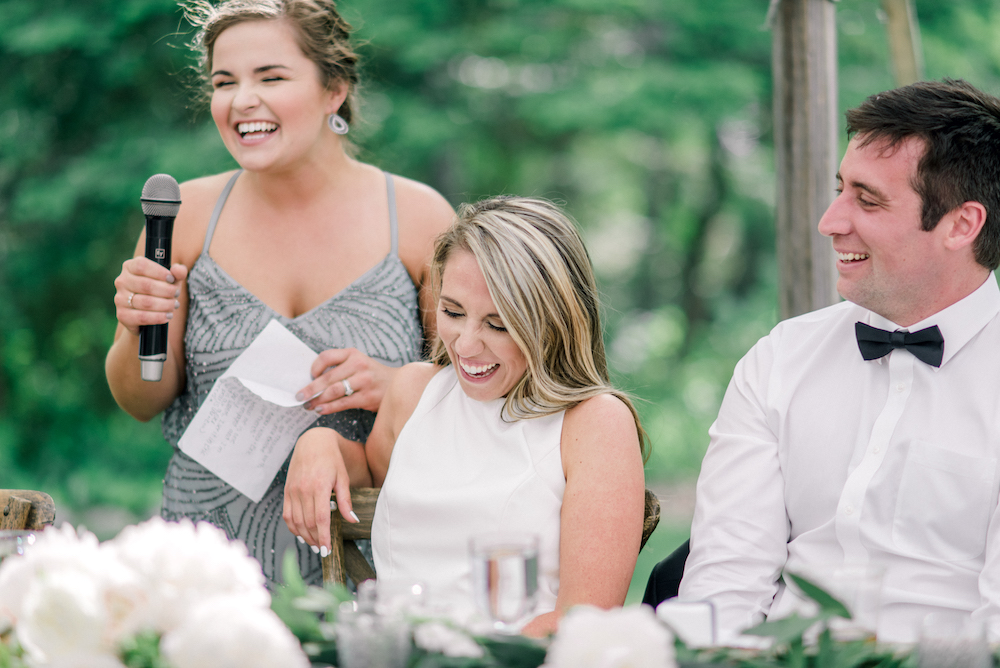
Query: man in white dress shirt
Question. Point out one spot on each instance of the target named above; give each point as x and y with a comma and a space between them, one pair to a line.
837, 443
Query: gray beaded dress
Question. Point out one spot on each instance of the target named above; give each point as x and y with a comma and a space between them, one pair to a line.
377, 314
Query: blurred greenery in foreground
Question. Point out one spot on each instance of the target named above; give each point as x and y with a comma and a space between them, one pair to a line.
650, 119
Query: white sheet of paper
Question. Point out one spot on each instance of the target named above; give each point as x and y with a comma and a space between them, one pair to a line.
250, 420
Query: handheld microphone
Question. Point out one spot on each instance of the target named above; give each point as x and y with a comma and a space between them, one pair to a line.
161, 199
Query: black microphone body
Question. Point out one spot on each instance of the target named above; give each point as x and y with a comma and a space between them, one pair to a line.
160, 201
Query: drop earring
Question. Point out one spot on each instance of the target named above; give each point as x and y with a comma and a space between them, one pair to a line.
337, 124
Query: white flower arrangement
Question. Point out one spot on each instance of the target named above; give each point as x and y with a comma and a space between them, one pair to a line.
179, 595
442, 638
71, 601
630, 637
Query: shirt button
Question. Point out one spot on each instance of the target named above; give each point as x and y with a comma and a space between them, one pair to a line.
876, 449
900, 387
849, 509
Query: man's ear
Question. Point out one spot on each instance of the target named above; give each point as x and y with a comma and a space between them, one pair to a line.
964, 224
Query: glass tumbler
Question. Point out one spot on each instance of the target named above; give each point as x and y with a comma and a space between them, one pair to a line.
505, 577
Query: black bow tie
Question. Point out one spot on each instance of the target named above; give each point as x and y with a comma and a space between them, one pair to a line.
927, 345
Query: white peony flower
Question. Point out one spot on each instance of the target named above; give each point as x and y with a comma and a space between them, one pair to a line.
54, 549
631, 637
63, 613
73, 601
179, 565
447, 640
67, 596
224, 632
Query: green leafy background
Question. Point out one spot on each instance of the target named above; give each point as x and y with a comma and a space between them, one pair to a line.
650, 119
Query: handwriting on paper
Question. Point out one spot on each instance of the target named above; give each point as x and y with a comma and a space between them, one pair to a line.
251, 419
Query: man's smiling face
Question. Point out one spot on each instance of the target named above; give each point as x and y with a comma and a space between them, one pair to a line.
886, 261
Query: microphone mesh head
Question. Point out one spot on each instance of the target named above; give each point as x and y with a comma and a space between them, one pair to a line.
161, 196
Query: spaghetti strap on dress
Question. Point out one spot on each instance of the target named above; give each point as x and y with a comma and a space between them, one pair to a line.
378, 314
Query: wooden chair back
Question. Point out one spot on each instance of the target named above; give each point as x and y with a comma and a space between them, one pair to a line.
25, 510
650, 518
346, 560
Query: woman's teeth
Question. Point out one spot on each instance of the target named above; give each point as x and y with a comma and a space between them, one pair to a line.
852, 257
478, 370
257, 126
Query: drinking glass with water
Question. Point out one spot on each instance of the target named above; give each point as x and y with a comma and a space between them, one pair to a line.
505, 577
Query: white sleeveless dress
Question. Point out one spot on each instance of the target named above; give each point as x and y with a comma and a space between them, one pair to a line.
457, 469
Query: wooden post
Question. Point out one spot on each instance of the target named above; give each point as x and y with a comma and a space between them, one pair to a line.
806, 122
904, 41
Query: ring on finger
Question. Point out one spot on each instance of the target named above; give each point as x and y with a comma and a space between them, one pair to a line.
348, 390
130, 295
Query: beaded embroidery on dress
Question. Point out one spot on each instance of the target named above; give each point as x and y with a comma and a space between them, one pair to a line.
377, 314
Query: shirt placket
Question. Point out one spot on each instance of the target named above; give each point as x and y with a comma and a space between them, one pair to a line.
850, 509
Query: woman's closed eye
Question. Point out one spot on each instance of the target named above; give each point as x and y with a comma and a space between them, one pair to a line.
496, 326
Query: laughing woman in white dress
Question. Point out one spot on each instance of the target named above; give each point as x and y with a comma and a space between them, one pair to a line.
513, 426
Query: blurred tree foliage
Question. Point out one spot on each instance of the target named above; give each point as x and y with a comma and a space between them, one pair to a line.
650, 119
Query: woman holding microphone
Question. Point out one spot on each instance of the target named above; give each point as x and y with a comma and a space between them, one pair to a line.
335, 249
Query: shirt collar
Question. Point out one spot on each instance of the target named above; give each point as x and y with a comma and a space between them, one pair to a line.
959, 322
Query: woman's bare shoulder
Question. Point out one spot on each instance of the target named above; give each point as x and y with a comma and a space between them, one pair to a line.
409, 191
423, 216
604, 409
600, 442
198, 198
405, 390
422, 210
603, 421
412, 379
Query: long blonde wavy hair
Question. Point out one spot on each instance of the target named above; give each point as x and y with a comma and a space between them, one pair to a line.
541, 280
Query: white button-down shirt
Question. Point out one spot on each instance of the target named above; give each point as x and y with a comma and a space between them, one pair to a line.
820, 457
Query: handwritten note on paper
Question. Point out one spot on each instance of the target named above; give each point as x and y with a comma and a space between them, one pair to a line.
250, 420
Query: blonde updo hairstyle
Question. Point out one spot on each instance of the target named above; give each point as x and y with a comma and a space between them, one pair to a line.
322, 34
541, 280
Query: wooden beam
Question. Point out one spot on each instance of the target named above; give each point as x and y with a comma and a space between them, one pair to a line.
904, 41
806, 121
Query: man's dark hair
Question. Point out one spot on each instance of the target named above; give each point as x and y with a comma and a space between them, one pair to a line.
960, 126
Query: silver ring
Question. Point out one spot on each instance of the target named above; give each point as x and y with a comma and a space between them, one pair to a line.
130, 295
348, 390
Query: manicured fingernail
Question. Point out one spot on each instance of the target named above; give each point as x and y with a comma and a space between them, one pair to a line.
333, 504
301, 539
171, 279
177, 304
177, 292
299, 396
314, 549
323, 551
354, 516
170, 315
319, 412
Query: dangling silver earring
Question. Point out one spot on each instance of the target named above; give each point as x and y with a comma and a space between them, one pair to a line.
337, 124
